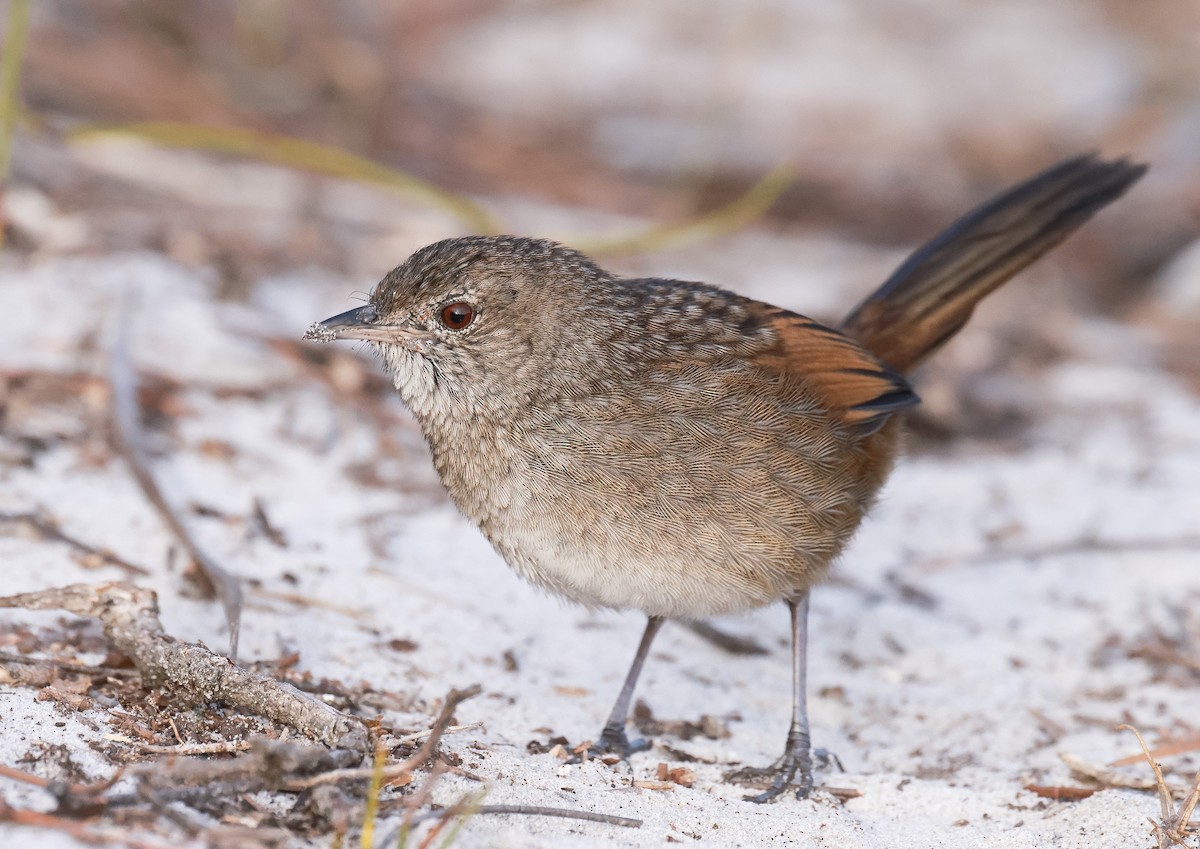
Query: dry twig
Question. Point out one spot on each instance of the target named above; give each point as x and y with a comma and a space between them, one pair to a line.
226, 747
73, 828
732, 643
47, 783
1174, 827
1104, 775
419, 758
44, 672
48, 529
1066, 548
1163, 750
421, 735
128, 437
533, 811
268, 765
129, 615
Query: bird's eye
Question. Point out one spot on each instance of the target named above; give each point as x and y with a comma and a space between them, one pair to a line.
458, 315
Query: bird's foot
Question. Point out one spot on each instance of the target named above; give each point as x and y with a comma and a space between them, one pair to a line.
613, 747
793, 769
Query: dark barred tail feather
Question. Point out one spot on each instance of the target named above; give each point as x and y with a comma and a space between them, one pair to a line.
932, 294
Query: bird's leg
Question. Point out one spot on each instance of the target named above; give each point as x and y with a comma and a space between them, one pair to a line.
797, 754
613, 739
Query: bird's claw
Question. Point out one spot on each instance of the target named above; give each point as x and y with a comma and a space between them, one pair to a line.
613, 747
793, 769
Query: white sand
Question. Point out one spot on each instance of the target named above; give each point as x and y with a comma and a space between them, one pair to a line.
941, 715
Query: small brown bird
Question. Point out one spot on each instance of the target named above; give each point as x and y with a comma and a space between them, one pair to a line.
671, 446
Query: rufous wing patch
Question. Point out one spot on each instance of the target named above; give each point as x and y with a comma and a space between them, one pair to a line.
860, 390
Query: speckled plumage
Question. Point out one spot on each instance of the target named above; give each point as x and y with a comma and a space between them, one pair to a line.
670, 446
630, 443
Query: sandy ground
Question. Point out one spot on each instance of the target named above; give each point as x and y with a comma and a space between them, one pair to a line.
1028, 582
1007, 602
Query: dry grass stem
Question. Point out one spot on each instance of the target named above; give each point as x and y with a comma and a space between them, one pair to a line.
48, 529
1175, 825
84, 833
298, 153
735, 644
421, 735
226, 747
388, 773
535, 811
1163, 750
1107, 776
129, 441
740, 212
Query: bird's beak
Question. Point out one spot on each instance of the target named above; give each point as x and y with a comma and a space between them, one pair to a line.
358, 323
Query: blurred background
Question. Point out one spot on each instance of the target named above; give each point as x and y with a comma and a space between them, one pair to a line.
791, 149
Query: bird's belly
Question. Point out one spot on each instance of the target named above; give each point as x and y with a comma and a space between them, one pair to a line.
670, 550
684, 512
681, 581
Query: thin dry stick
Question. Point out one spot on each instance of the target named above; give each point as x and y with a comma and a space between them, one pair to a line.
128, 436
1188, 806
336, 776
458, 813
48, 529
534, 811
450, 704
412, 803
421, 735
129, 615
732, 643
185, 749
1084, 545
309, 601
71, 789
267, 766
1104, 775
423, 755
1174, 826
418, 759
64, 665
1163, 750
72, 828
